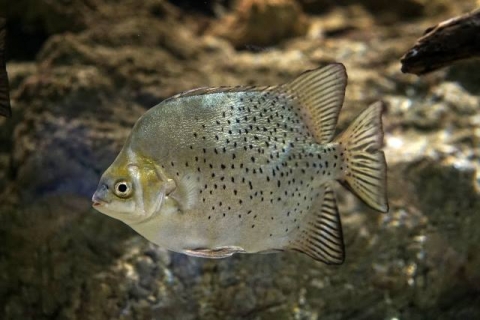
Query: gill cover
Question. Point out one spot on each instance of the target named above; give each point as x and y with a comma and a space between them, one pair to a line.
151, 187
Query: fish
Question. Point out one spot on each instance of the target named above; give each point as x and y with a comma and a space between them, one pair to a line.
5, 108
212, 172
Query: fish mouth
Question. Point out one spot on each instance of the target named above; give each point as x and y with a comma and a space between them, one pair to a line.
97, 201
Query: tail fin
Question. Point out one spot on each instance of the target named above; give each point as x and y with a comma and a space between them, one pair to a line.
365, 166
5, 109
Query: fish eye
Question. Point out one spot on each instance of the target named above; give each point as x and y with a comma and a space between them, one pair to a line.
122, 189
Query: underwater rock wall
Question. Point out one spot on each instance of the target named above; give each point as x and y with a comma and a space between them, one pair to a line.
75, 104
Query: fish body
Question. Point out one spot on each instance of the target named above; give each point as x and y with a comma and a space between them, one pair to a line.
216, 171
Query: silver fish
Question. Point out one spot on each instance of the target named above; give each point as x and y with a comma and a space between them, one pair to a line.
216, 171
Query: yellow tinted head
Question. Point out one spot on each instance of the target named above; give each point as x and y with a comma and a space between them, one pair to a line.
131, 190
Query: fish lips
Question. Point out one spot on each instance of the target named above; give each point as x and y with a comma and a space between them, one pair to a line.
99, 197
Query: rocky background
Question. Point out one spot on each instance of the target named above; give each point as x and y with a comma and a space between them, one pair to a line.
83, 71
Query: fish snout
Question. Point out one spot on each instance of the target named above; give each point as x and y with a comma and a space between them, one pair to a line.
99, 197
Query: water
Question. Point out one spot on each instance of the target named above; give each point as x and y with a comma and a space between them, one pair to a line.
76, 102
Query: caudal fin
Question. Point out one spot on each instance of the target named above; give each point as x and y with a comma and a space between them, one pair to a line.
365, 166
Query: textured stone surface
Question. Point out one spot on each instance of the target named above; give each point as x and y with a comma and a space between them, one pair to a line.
74, 106
261, 23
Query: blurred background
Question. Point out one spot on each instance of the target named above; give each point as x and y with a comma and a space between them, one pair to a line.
83, 71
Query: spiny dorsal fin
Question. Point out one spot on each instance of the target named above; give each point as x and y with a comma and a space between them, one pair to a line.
365, 171
322, 237
320, 94
5, 109
210, 90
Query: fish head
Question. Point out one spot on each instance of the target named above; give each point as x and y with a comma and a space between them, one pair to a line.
133, 191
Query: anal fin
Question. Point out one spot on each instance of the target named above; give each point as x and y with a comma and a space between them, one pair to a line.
321, 236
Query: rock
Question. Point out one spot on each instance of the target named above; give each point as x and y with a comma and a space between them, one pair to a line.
261, 23
53, 17
462, 73
383, 10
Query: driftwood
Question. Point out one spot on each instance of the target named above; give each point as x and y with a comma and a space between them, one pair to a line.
449, 41
5, 109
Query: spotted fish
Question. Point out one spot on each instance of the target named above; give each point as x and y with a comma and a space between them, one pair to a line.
216, 171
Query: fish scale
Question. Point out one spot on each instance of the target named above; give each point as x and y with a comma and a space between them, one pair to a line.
216, 171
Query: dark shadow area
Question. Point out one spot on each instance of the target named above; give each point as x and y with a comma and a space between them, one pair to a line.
205, 7
24, 41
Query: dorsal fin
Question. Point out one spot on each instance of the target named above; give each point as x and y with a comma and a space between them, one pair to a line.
224, 89
321, 236
320, 93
